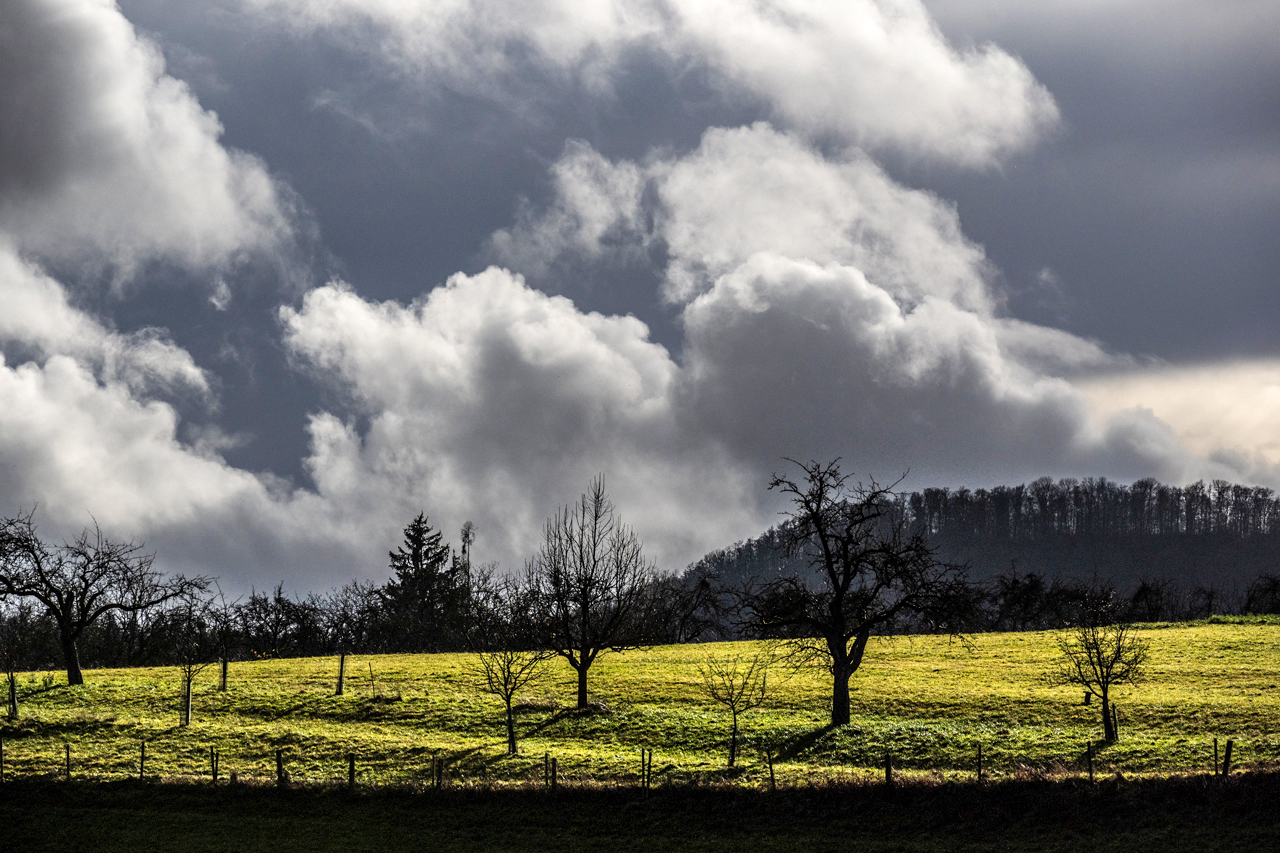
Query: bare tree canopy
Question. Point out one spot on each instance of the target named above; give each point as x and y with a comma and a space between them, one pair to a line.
739, 682
869, 575
1098, 654
503, 636
195, 645
80, 581
589, 583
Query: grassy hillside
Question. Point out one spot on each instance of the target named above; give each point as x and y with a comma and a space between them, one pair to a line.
927, 700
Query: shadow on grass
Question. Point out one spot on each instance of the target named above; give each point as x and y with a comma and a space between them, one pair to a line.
791, 748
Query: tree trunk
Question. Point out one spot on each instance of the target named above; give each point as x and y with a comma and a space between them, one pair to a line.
511, 730
582, 687
733, 741
1108, 729
840, 696
186, 701
71, 654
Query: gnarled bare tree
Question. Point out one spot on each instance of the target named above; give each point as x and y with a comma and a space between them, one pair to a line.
589, 583
870, 573
79, 581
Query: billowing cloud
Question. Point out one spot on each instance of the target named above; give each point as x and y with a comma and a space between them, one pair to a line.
877, 72
107, 163
105, 160
39, 320
826, 310
492, 402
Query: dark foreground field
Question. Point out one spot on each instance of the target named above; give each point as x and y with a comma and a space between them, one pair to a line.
1157, 814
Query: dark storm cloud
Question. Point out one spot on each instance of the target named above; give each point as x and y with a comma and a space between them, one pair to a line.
1155, 207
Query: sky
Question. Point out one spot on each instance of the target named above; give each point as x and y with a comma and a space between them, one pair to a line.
278, 274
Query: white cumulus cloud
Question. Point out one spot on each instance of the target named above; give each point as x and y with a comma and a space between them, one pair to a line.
875, 72
106, 160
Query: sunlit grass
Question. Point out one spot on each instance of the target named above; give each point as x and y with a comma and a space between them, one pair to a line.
928, 701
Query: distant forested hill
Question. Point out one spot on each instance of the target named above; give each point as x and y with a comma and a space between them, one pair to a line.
1204, 544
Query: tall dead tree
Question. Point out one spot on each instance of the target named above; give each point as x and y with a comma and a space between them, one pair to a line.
589, 583
80, 581
869, 573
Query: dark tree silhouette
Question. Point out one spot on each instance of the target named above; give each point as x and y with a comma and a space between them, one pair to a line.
426, 599
1263, 595
589, 583
81, 581
869, 574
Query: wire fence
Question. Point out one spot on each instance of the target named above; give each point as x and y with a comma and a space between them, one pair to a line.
284, 767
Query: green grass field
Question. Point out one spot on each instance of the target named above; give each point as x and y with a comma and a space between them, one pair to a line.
927, 700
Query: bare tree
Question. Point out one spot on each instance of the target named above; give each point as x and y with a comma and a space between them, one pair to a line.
739, 682
1099, 653
78, 582
195, 646
17, 640
507, 657
589, 583
221, 615
870, 574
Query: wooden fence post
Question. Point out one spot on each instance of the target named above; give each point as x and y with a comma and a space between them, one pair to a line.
1088, 757
351, 770
213, 763
1215, 756
554, 772
142, 763
888, 769
979, 762
280, 776
1226, 759
222, 683
546, 769
67, 746
342, 672
773, 782
1115, 721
